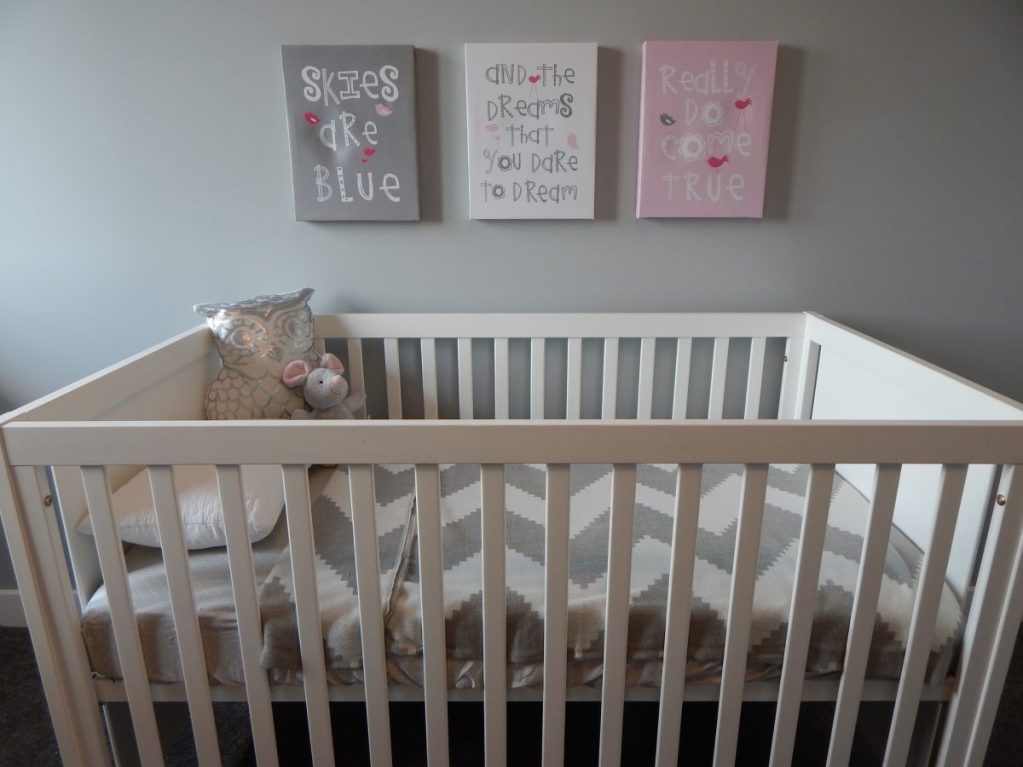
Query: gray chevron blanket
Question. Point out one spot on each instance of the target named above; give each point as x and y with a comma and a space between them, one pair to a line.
337, 588
525, 501
589, 523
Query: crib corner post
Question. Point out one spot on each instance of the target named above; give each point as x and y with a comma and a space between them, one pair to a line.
80, 736
799, 377
990, 636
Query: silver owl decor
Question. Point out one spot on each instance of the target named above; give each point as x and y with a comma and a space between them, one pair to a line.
256, 338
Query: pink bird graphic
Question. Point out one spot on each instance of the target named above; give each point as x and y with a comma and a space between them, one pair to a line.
717, 162
742, 105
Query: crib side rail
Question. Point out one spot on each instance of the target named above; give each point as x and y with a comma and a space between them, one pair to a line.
166, 381
690, 445
939, 392
859, 378
572, 365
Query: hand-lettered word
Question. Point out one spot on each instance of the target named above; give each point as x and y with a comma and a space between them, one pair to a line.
326, 86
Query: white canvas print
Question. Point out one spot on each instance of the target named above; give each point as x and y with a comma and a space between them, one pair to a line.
532, 128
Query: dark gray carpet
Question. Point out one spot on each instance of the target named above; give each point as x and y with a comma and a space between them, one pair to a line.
26, 736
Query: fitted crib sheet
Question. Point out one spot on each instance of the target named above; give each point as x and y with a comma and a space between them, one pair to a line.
589, 520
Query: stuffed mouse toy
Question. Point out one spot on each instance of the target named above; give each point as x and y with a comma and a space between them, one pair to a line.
324, 389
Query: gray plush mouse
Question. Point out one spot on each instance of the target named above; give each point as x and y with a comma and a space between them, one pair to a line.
324, 389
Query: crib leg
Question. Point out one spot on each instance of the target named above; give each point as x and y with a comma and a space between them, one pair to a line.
122, 737
172, 721
921, 749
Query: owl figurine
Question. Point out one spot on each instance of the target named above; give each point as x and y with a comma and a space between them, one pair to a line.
256, 339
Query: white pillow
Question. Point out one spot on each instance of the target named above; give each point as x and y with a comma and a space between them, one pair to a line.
202, 516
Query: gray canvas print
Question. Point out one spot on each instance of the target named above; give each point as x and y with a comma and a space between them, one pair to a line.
351, 113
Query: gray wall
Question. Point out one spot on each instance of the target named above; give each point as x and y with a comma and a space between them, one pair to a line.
144, 167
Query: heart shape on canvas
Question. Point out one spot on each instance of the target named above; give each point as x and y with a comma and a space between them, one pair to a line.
369, 151
534, 79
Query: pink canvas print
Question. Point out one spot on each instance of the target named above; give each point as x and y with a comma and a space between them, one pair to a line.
705, 120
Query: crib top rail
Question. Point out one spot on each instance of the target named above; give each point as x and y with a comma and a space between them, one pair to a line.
560, 325
555, 442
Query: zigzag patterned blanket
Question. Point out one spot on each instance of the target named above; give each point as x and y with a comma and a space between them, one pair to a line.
337, 589
589, 516
589, 523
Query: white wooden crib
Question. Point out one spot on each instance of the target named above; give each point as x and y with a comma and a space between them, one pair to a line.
556, 390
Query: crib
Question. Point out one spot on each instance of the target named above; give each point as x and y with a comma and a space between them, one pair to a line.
934, 456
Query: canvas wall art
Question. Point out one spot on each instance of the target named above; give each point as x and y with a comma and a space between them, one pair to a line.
531, 111
705, 119
351, 113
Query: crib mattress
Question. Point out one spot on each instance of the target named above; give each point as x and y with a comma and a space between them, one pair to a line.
214, 597
589, 518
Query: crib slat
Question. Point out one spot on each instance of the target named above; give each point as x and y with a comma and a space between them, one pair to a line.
250, 630
574, 380
804, 593
740, 612
717, 379
930, 583
67, 481
616, 617
356, 376
755, 377
555, 627
609, 389
186, 622
645, 397
371, 618
428, 351
122, 614
494, 616
679, 605
307, 604
680, 401
500, 378
432, 601
393, 368
537, 383
465, 407
864, 611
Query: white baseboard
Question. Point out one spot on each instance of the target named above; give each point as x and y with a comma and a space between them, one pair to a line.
11, 613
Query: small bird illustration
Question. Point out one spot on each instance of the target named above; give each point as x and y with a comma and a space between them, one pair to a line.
717, 162
742, 105
667, 119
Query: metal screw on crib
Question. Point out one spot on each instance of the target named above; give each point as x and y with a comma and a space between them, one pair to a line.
47, 500
1000, 499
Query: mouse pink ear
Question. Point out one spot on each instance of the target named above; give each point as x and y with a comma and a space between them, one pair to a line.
295, 373
331, 362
